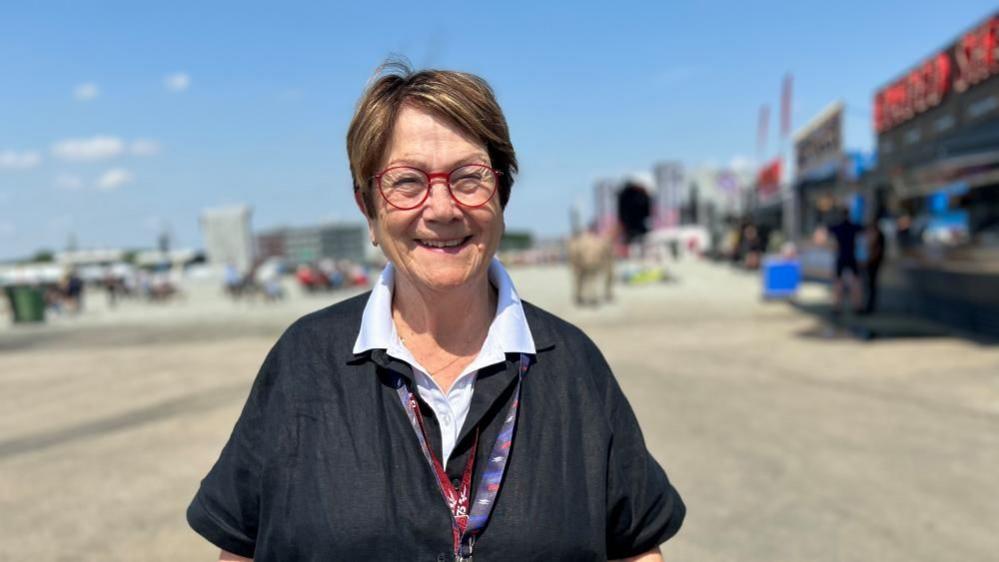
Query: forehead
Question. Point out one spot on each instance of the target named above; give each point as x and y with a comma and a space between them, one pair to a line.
419, 135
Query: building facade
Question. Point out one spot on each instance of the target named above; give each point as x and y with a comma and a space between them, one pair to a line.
227, 236
333, 241
937, 129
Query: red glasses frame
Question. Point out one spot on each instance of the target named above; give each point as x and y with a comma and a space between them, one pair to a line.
446, 176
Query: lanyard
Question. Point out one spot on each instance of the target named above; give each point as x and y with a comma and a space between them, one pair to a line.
466, 524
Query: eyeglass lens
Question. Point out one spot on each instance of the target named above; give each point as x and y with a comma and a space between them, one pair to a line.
406, 187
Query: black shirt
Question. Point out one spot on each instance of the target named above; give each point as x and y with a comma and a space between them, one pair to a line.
323, 463
845, 233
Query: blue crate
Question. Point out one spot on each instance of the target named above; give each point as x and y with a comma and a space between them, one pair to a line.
781, 278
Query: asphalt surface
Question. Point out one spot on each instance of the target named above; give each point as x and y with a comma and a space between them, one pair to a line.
789, 439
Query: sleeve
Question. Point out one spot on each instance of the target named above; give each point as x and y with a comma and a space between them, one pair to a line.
225, 509
643, 508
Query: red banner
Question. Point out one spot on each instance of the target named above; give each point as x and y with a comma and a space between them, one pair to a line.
785, 107
768, 180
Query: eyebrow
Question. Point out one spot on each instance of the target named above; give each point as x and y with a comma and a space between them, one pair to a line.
471, 159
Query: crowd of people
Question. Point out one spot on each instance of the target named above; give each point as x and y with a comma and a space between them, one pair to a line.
328, 275
66, 296
857, 250
745, 243
859, 253
117, 283
264, 278
63, 294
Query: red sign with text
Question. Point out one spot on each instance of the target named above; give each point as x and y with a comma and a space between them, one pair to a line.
971, 60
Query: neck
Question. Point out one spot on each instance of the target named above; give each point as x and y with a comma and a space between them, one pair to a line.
456, 320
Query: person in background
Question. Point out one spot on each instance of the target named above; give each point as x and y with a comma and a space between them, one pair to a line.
112, 285
752, 247
776, 241
729, 243
905, 234
267, 277
847, 274
875, 254
739, 243
73, 292
231, 280
591, 257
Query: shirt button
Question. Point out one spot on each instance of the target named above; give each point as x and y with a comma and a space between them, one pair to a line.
456, 482
446, 419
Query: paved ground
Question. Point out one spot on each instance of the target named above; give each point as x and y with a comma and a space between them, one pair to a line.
789, 441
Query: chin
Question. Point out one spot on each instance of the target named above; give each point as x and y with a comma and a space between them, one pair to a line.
447, 282
447, 278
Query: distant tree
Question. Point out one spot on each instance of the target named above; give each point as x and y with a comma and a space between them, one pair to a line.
43, 256
513, 240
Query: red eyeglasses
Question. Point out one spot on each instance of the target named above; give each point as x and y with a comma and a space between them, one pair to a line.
406, 188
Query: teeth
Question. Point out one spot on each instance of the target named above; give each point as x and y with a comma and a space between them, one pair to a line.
442, 243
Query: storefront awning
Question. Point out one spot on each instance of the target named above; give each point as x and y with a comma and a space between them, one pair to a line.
974, 170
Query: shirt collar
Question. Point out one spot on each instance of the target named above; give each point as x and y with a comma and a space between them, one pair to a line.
508, 333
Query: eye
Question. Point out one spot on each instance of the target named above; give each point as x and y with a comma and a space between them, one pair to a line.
404, 179
473, 174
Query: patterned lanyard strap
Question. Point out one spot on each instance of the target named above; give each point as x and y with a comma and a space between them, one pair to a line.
466, 524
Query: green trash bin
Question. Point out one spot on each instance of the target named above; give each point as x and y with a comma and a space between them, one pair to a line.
27, 303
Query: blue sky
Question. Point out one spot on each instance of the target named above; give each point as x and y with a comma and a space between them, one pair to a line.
118, 119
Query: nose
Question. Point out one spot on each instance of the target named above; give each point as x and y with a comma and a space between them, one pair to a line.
440, 206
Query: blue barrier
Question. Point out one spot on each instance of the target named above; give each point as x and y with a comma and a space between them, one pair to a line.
781, 277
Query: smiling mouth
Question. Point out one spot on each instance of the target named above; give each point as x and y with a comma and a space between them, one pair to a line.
452, 244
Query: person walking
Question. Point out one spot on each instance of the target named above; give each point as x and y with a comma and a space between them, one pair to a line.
872, 266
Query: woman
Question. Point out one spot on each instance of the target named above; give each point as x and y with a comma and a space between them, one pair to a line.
438, 417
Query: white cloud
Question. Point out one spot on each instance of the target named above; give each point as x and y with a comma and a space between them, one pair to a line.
86, 91
87, 150
14, 160
7, 228
114, 178
177, 82
144, 147
68, 181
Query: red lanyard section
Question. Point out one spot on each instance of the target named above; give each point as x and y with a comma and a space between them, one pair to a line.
457, 499
467, 523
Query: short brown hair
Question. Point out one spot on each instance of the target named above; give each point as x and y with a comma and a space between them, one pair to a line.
463, 99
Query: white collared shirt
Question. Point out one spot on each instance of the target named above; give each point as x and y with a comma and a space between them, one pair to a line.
508, 333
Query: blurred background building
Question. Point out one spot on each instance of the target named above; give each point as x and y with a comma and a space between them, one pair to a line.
227, 236
827, 177
305, 244
937, 180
